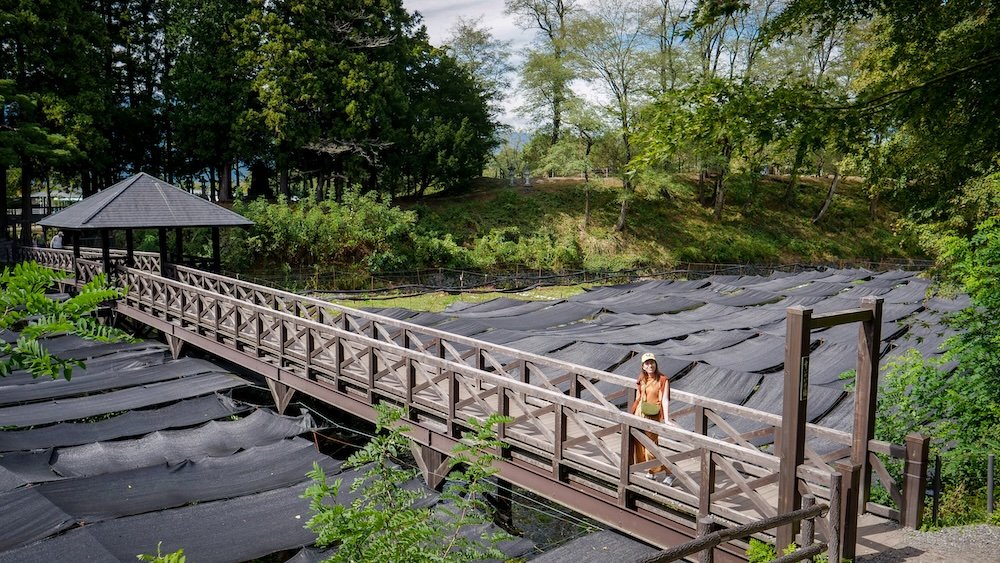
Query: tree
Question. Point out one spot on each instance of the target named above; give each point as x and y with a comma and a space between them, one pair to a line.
205, 36
546, 71
33, 316
930, 75
486, 58
607, 46
386, 522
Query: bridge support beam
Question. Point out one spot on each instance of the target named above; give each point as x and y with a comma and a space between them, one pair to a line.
503, 506
281, 393
175, 344
433, 464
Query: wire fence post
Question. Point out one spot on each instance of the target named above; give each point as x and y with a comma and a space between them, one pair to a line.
989, 485
937, 489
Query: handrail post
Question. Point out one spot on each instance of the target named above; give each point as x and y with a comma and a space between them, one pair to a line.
914, 480
834, 516
707, 485
849, 508
793, 418
808, 535
706, 526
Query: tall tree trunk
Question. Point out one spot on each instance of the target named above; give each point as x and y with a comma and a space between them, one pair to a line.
620, 224
338, 181
720, 197
701, 185
260, 183
283, 186
226, 181
211, 183
793, 180
829, 197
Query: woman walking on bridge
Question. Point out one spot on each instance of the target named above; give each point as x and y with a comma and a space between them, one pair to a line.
652, 402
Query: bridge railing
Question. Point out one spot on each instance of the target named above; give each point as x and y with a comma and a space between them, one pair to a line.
62, 258
598, 387
608, 389
564, 425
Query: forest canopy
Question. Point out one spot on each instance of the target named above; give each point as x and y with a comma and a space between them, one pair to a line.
346, 91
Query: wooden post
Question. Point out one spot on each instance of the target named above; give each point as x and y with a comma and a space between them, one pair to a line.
164, 258
706, 526
808, 525
216, 252
178, 246
793, 418
434, 465
849, 508
557, 448
834, 516
627, 453
914, 480
707, 486
106, 253
866, 394
129, 248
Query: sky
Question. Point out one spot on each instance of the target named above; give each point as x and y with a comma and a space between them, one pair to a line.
441, 15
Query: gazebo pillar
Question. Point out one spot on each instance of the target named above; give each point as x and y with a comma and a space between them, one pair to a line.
178, 246
216, 252
164, 259
129, 249
75, 238
106, 252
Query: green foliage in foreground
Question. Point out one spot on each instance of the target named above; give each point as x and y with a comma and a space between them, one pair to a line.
761, 552
959, 407
175, 557
386, 522
27, 310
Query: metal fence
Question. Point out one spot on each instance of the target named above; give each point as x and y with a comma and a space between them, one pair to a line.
414, 282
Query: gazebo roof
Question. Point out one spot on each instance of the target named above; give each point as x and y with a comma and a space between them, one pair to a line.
143, 201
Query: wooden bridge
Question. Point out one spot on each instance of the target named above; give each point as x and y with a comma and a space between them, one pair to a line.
569, 440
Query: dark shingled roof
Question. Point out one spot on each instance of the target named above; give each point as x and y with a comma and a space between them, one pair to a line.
143, 201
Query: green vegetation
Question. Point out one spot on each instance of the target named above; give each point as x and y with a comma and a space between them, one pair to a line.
438, 301
497, 228
175, 557
27, 310
386, 522
956, 398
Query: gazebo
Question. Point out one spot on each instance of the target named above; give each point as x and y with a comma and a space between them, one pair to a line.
144, 202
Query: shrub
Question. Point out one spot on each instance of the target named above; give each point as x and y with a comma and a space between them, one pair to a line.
386, 522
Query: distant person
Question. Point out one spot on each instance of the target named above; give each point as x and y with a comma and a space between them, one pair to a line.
57, 241
652, 402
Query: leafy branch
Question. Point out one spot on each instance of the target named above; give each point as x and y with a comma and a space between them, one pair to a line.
33, 316
387, 522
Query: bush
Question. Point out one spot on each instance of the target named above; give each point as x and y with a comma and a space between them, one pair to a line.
386, 522
364, 232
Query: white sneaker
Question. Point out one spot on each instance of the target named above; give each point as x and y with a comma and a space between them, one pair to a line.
668, 480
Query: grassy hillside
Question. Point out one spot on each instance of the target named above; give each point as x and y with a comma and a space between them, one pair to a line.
668, 225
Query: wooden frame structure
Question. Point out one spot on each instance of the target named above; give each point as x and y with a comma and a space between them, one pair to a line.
569, 441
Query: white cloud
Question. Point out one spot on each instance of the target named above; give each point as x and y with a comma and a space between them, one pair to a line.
441, 15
